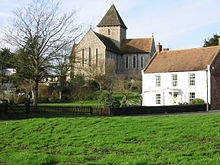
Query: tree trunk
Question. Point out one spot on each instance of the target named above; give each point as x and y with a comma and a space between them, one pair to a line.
60, 94
35, 94
100, 87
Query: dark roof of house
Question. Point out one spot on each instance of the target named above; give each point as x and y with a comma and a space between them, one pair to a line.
182, 60
110, 46
140, 45
112, 18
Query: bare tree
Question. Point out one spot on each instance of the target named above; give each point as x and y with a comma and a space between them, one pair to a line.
62, 68
40, 30
103, 73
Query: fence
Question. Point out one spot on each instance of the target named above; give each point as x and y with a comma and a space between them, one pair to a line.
3, 106
137, 110
62, 110
15, 108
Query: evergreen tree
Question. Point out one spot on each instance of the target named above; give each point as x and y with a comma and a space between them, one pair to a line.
213, 41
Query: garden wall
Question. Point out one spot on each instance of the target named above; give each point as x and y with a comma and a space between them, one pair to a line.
157, 109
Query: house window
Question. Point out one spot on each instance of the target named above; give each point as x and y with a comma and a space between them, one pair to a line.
96, 56
126, 62
158, 98
82, 57
191, 79
158, 80
174, 80
90, 57
109, 32
142, 61
134, 61
192, 96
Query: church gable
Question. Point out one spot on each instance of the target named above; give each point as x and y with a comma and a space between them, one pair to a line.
90, 40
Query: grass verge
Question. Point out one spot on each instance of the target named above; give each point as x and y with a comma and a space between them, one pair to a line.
156, 140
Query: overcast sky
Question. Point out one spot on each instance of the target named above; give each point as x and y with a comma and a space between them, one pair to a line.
177, 24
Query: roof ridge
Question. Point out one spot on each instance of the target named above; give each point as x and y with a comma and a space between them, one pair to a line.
102, 35
189, 49
138, 38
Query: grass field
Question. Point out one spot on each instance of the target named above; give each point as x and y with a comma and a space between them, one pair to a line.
154, 140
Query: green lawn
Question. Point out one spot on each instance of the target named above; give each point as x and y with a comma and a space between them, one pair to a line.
93, 103
155, 140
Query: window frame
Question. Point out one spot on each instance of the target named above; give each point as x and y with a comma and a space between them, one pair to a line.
192, 96
192, 79
174, 80
158, 80
158, 98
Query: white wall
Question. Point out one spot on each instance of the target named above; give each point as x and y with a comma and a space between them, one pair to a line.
149, 89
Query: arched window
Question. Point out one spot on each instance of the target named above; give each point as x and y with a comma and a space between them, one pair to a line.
142, 61
109, 32
126, 62
97, 56
82, 57
90, 57
134, 61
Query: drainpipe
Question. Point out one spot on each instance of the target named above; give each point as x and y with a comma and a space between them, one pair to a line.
207, 85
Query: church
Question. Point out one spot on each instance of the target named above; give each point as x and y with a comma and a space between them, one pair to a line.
98, 51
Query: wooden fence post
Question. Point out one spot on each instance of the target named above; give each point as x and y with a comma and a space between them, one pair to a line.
91, 110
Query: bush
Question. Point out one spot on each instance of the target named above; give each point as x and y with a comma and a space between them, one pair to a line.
107, 100
22, 99
82, 89
198, 101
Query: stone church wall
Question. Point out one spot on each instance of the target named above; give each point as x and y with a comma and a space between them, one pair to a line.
141, 60
90, 43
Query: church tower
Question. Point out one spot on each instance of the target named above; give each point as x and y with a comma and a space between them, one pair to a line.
113, 26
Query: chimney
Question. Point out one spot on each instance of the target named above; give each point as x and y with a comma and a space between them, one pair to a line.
166, 49
159, 48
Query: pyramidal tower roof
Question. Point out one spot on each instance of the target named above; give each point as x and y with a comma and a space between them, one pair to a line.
112, 18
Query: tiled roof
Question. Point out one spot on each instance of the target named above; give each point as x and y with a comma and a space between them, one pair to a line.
182, 60
112, 18
108, 43
141, 45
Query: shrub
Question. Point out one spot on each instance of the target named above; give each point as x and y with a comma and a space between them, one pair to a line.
107, 100
22, 99
198, 101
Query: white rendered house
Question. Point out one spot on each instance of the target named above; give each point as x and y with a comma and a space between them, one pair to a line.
179, 76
